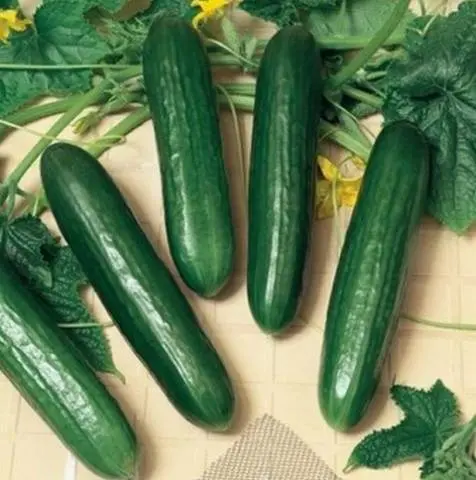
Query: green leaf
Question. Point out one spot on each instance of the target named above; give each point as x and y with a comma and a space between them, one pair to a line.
455, 459
435, 88
250, 43
360, 110
57, 38
54, 274
25, 241
65, 299
230, 34
355, 22
108, 5
7, 4
284, 12
431, 417
180, 8
319, 3
125, 39
281, 12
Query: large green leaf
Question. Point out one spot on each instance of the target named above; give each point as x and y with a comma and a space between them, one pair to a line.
430, 418
355, 22
434, 86
180, 8
284, 12
25, 241
60, 35
5, 4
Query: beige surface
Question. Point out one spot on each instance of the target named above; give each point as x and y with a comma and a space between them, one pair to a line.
272, 376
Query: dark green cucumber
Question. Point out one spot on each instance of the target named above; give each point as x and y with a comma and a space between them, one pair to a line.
183, 105
371, 274
50, 375
135, 286
281, 190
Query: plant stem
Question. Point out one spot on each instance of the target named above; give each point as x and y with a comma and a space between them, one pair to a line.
375, 75
117, 133
86, 66
243, 103
88, 99
243, 60
356, 43
246, 89
337, 42
232, 57
362, 96
327, 130
401, 8
40, 204
351, 124
115, 105
224, 60
37, 112
421, 4
114, 136
262, 42
467, 433
444, 325
239, 140
344, 140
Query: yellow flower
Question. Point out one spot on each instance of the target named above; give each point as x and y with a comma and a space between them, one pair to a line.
209, 8
335, 190
10, 20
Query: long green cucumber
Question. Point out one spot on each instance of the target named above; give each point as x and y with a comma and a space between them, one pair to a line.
135, 286
183, 104
281, 190
51, 376
371, 274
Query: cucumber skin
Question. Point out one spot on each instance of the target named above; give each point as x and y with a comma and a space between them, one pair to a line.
50, 375
136, 287
282, 176
182, 99
371, 275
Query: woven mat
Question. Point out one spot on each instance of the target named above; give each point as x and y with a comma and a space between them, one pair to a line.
268, 450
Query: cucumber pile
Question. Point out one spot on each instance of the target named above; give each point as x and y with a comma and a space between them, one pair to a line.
143, 297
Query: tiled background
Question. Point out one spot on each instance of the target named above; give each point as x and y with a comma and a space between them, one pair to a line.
272, 376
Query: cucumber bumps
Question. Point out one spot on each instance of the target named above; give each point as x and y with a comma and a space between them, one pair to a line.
50, 374
182, 100
370, 278
135, 286
282, 177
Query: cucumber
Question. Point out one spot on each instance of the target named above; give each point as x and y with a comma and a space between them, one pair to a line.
183, 104
371, 275
282, 176
51, 376
135, 286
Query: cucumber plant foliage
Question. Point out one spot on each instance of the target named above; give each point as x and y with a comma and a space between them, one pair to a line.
434, 86
55, 39
53, 273
431, 431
